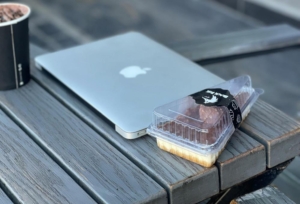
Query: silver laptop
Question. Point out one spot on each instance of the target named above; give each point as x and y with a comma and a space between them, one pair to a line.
125, 77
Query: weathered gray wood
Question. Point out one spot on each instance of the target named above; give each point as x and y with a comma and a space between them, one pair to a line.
4, 199
242, 158
185, 181
278, 132
31, 176
267, 195
240, 42
102, 171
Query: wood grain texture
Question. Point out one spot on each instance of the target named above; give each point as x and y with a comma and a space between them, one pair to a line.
237, 43
242, 158
29, 175
267, 195
278, 132
185, 181
4, 199
102, 171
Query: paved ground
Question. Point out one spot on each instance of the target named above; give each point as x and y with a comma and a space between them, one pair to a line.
59, 24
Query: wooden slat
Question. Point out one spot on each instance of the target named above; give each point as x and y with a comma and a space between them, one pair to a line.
102, 171
185, 181
267, 195
4, 199
242, 159
278, 132
240, 42
28, 174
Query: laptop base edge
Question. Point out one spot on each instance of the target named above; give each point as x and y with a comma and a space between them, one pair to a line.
130, 135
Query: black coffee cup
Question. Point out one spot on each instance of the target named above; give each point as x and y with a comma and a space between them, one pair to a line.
14, 46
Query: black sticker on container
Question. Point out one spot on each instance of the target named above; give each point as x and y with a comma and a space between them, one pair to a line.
220, 97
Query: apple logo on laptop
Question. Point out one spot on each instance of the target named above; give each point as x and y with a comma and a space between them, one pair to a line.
133, 71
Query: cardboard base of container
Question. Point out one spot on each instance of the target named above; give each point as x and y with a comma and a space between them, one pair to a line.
202, 159
206, 160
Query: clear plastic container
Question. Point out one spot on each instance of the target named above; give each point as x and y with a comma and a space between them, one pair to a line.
197, 132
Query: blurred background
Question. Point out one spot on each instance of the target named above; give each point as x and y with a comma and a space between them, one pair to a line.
57, 24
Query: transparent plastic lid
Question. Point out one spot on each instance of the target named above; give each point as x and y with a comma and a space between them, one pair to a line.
186, 122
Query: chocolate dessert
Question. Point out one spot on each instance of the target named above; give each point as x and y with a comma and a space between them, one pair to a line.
207, 115
198, 130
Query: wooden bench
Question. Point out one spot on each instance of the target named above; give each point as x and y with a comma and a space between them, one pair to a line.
85, 146
59, 135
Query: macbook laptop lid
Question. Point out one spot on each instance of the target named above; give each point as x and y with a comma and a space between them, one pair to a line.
125, 77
